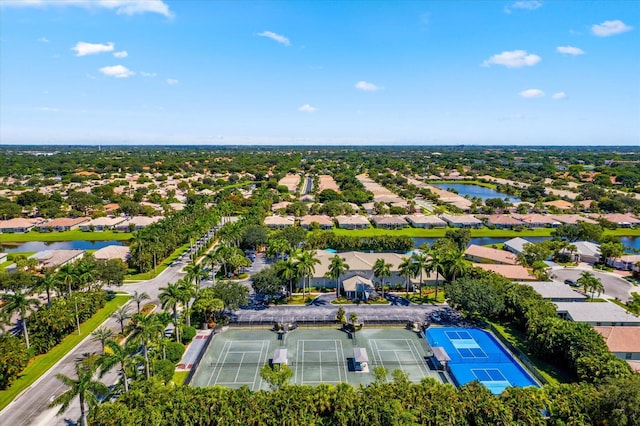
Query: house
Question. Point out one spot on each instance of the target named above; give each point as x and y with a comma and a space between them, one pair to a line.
111, 208
622, 220
515, 245
627, 262
369, 207
323, 221
100, 224
462, 221
137, 222
597, 314
389, 222
559, 204
512, 272
279, 222
480, 254
352, 222
56, 258
63, 224
585, 251
571, 219
112, 252
502, 221
623, 342
280, 205
422, 221
17, 225
536, 220
555, 291
327, 182
291, 182
358, 288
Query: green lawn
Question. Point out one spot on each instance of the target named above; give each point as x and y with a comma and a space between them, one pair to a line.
482, 232
180, 376
75, 235
40, 364
161, 267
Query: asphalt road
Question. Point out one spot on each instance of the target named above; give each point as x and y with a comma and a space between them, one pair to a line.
614, 285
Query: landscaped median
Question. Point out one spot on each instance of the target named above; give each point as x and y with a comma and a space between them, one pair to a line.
75, 235
40, 364
161, 267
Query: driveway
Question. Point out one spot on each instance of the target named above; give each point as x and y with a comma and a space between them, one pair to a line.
614, 286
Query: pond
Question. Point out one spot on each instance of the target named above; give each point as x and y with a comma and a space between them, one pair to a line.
476, 191
629, 242
56, 245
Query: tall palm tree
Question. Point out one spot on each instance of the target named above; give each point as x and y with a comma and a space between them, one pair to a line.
118, 355
68, 276
19, 302
84, 387
85, 274
138, 298
435, 264
382, 270
455, 265
170, 297
121, 315
306, 265
188, 290
590, 283
195, 273
420, 260
48, 282
408, 270
289, 271
146, 330
102, 334
337, 268
211, 260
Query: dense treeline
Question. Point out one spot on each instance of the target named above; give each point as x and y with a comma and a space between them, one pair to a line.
574, 346
397, 403
382, 243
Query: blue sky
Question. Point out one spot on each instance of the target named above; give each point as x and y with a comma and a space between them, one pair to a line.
320, 72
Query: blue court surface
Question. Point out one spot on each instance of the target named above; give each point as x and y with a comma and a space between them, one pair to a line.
476, 355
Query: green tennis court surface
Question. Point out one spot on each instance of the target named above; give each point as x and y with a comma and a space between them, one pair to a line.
319, 355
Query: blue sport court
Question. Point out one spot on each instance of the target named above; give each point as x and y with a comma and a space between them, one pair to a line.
475, 354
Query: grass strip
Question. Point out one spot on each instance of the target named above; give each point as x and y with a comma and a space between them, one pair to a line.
75, 235
179, 377
161, 267
42, 363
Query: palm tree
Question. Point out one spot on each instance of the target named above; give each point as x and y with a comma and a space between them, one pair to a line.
20, 303
139, 298
146, 329
195, 273
306, 265
84, 387
102, 334
435, 264
211, 260
455, 265
289, 271
121, 315
420, 260
188, 290
382, 270
118, 355
170, 297
48, 282
408, 270
68, 276
590, 283
337, 268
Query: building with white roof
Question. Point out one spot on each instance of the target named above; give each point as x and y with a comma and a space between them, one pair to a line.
597, 314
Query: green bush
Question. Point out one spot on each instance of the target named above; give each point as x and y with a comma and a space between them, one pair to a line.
174, 351
164, 369
188, 333
13, 358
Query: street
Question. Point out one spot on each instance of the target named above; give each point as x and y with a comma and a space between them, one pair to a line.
614, 285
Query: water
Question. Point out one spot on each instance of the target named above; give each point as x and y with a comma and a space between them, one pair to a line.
57, 245
629, 242
476, 191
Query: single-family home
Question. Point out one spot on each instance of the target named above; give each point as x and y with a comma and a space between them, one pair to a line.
622, 220
56, 258
555, 291
623, 342
462, 221
353, 222
323, 221
279, 222
629, 262
17, 225
559, 204
585, 251
389, 222
481, 254
425, 221
512, 272
280, 205
63, 224
112, 252
536, 220
515, 245
571, 219
137, 222
100, 224
597, 314
503, 221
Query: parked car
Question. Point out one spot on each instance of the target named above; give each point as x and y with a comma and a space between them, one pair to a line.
572, 283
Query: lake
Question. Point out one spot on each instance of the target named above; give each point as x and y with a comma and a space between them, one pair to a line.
56, 245
475, 191
630, 242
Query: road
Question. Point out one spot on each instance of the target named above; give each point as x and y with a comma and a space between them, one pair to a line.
308, 185
614, 285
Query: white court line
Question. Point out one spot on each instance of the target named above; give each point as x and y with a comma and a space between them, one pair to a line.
342, 362
239, 367
419, 359
219, 365
260, 363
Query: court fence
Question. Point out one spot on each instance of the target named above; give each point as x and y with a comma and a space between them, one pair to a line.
313, 322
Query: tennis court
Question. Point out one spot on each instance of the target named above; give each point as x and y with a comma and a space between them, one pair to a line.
316, 355
476, 355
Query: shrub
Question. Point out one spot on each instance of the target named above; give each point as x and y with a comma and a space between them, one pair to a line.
174, 351
188, 333
164, 369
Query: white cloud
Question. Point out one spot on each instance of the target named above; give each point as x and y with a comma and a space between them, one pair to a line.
307, 108
121, 54
524, 4
277, 37
148, 74
43, 40
513, 59
46, 109
609, 28
559, 95
82, 49
367, 87
570, 50
121, 7
172, 81
532, 93
117, 71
